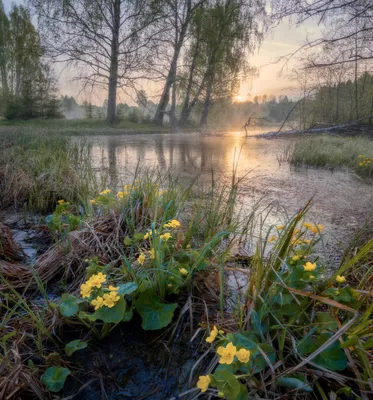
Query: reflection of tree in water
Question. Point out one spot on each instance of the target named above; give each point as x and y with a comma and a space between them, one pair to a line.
112, 159
176, 154
159, 150
140, 151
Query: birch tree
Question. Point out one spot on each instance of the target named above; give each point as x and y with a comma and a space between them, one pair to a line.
107, 41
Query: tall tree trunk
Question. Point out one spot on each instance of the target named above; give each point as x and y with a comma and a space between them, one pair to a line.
187, 108
165, 97
113, 77
356, 80
206, 106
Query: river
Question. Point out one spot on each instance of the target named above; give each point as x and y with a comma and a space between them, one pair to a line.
341, 200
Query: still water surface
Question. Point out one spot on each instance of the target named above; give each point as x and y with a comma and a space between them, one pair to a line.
341, 199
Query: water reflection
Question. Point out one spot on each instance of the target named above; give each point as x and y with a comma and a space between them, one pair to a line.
341, 200
179, 153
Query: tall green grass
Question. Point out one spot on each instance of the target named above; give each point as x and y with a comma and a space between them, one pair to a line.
333, 152
38, 167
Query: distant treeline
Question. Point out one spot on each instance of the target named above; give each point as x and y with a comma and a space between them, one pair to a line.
223, 112
338, 102
27, 88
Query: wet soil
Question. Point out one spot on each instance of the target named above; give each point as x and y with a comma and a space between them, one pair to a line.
131, 363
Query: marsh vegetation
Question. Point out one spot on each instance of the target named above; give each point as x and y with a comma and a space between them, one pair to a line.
151, 250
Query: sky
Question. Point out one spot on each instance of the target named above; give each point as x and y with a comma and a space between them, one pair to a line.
273, 77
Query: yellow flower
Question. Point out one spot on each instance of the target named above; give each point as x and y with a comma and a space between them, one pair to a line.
340, 279
151, 254
280, 227
113, 289
110, 299
243, 355
149, 233
314, 228
98, 302
309, 266
97, 280
172, 224
306, 241
271, 239
227, 353
295, 258
312, 277
213, 335
169, 286
183, 271
121, 195
141, 259
104, 192
93, 201
203, 382
85, 290
60, 201
165, 236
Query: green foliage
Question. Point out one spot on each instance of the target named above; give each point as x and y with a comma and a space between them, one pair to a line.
332, 358
74, 346
329, 151
155, 315
28, 88
69, 305
63, 220
112, 315
294, 383
54, 378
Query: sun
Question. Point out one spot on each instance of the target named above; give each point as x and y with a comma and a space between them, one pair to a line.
239, 98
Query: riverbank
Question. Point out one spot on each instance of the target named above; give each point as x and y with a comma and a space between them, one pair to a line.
132, 298
222, 273
355, 153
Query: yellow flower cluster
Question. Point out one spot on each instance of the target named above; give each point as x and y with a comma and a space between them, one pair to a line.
93, 281
364, 161
141, 259
228, 353
63, 202
309, 267
172, 224
213, 335
105, 192
314, 228
93, 202
165, 236
272, 239
203, 383
122, 195
148, 234
96, 281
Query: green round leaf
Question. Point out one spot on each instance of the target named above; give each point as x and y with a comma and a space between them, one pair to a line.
155, 315
75, 345
54, 378
69, 305
293, 383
